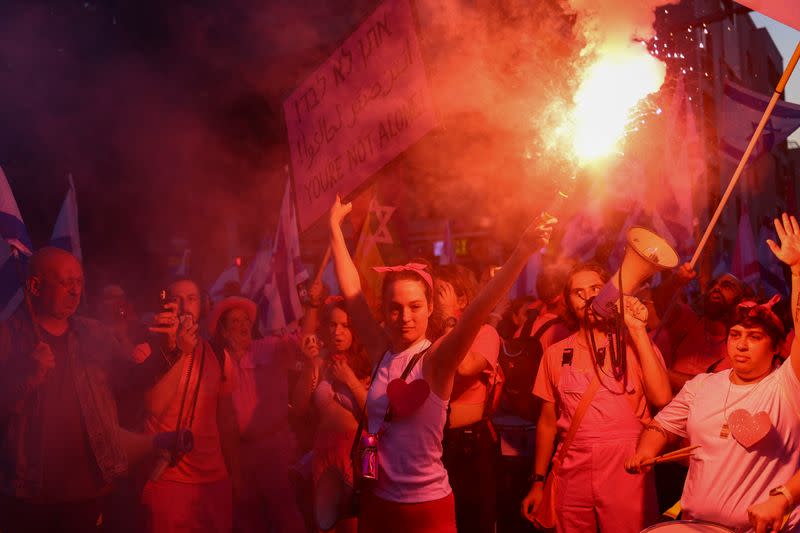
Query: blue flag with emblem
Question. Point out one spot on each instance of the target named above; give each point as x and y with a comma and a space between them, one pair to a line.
742, 110
15, 246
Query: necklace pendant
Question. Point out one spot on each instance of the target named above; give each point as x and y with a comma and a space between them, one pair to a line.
724, 431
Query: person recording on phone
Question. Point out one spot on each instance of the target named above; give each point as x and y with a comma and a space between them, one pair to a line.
191, 491
62, 445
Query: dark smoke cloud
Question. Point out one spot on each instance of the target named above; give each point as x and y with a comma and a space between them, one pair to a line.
168, 114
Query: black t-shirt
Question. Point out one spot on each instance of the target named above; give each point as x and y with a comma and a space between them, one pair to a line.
70, 469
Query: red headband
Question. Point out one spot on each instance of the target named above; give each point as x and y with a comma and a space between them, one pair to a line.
764, 310
418, 268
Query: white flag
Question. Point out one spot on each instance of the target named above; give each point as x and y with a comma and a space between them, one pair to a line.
784, 11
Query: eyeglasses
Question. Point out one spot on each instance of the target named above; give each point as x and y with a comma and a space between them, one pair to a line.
68, 283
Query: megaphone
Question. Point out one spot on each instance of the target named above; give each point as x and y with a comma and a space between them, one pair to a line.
646, 254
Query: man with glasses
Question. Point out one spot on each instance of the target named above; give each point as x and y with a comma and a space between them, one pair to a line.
62, 445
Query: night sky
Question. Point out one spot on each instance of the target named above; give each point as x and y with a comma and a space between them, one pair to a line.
166, 113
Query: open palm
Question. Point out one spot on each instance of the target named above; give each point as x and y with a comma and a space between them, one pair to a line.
788, 232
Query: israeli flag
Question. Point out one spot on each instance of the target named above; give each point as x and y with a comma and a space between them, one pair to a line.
66, 234
742, 110
12, 228
14, 240
279, 303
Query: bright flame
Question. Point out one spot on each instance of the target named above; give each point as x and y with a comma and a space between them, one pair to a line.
605, 103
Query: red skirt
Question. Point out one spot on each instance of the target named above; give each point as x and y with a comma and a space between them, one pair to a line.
382, 516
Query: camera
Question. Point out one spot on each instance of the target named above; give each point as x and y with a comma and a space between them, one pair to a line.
164, 300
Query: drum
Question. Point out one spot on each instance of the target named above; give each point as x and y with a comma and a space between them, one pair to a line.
688, 526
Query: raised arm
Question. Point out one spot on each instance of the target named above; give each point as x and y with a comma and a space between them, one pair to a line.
789, 253
309, 377
368, 330
447, 354
655, 380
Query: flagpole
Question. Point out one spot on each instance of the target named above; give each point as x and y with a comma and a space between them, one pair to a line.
326, 257
743, 162
28, 304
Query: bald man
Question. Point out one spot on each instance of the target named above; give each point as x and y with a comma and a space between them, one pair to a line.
62, 444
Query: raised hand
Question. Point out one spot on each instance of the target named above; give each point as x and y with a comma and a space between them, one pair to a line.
188, 337
310, 347
339, 211
166, 322
316, 293
446, 299
685, 273
538, 233
635, 312
342, 372
788, 232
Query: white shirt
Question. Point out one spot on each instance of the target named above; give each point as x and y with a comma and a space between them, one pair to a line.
725, 478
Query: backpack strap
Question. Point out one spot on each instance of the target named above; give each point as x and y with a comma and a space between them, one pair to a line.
544, 327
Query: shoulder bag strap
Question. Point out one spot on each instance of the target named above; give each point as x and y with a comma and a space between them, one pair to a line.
387, 416
583, 406
363, 415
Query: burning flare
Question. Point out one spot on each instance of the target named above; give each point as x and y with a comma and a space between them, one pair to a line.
607, 101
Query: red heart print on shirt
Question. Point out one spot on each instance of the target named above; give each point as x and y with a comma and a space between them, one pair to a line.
406, 398
749, 429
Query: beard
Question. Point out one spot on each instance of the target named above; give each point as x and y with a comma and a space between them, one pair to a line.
715, 309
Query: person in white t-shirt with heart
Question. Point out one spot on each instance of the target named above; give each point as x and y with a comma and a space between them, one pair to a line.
746, 420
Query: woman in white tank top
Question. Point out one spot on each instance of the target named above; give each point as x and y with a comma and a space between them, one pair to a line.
412, 493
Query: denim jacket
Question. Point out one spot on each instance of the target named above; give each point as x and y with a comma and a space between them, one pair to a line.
92, 350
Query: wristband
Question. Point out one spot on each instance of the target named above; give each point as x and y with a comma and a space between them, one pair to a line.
536, 478
785, 492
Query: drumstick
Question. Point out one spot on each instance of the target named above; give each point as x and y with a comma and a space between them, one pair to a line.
672, 456
680, 451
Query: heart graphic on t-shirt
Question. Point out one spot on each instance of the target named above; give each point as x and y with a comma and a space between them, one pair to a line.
749, 429
405, 398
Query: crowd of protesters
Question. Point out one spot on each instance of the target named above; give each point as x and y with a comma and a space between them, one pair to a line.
450, 408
